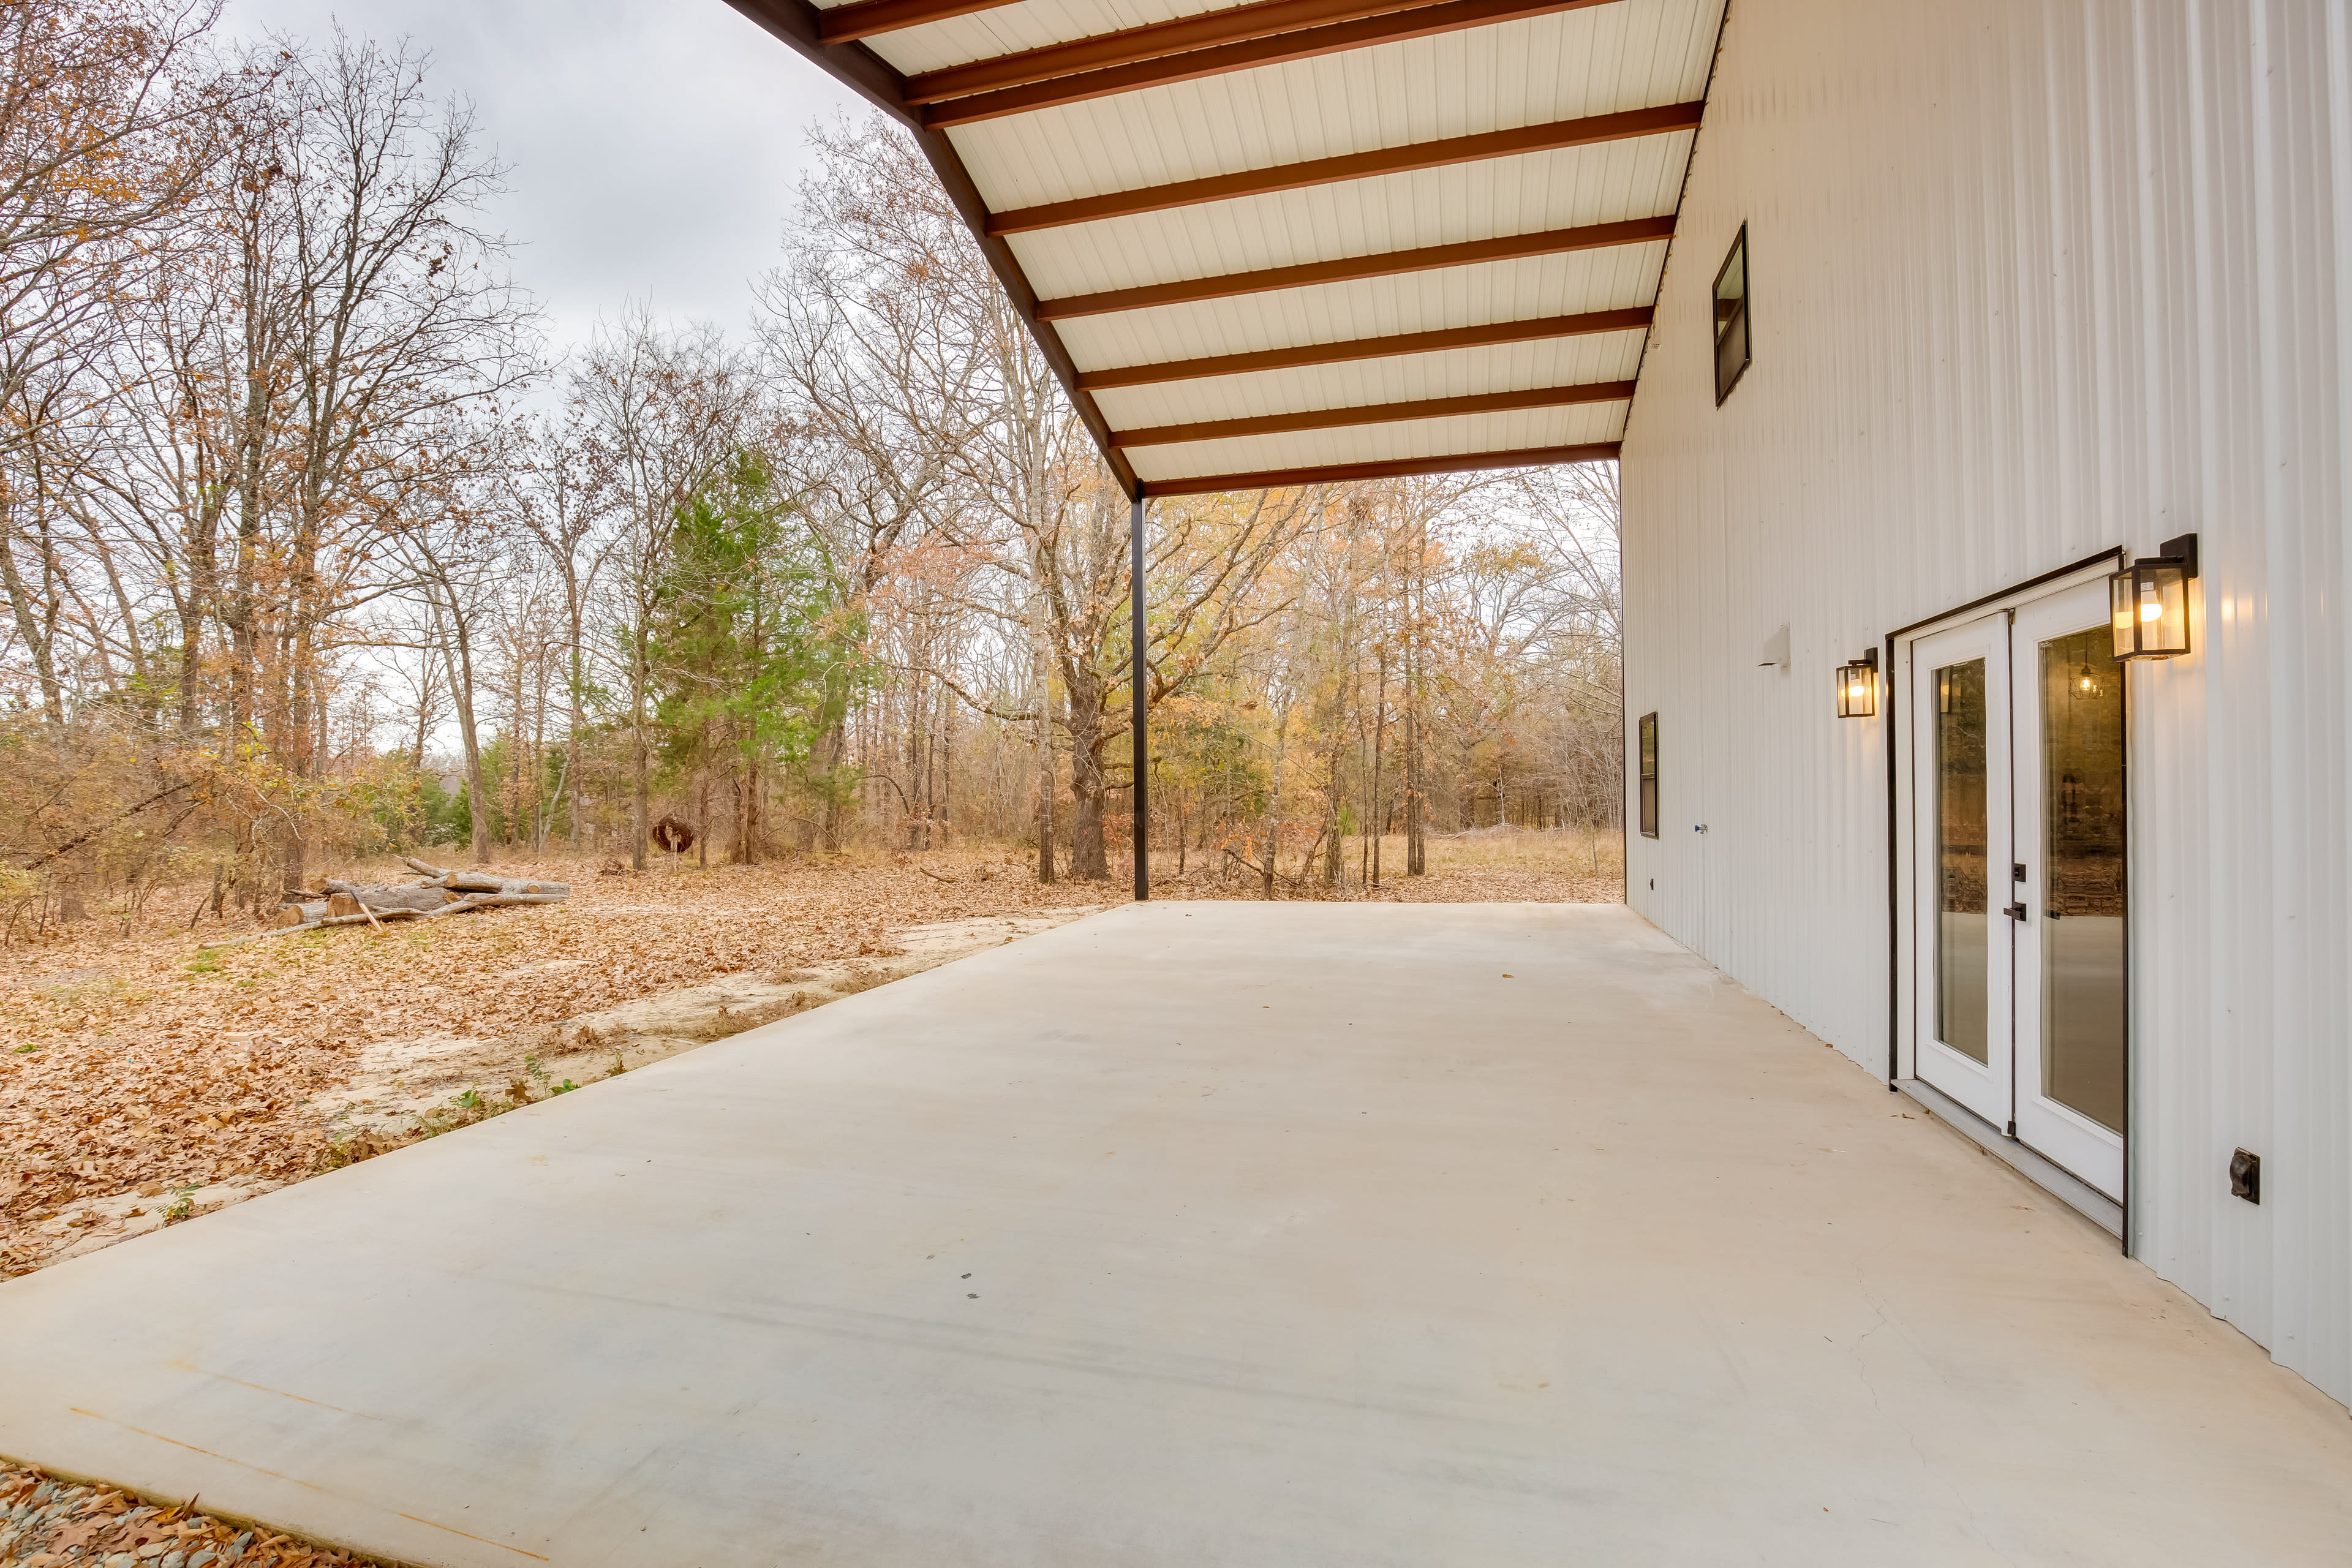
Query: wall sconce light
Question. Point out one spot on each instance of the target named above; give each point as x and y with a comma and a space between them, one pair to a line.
1858, 687
2150, 601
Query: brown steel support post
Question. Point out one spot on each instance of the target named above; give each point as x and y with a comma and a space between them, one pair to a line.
1139, 669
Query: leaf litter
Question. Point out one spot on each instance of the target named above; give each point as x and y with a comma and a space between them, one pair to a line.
145, 1078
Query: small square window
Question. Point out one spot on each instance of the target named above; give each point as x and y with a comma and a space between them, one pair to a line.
1731, 336
1649, 775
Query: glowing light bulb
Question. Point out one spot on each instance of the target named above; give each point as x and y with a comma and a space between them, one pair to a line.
2151, 612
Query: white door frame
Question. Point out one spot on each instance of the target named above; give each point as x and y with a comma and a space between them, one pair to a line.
1986, 1087
1910, 998
2059, 1133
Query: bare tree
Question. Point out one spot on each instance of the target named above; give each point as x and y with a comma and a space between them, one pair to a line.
668, 409
874, 331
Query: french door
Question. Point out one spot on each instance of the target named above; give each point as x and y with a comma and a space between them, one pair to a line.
2017, 768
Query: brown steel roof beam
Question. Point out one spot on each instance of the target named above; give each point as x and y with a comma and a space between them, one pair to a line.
1352, 268
1191, 48
1378, 414
1590, 130
1352, 349
1340, 473
868, 18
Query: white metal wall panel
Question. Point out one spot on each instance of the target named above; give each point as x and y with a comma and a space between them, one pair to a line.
1456, 372
1532, 427
1633, 54
1613, 280
2032, 277
1526, 195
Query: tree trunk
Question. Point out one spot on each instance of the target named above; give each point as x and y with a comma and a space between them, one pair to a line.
572, 747
1274, 803
1043, 744
29, 625
1378, 822
836, 742
457, 653
747, 823
1416, 849
1087, 863
639, 822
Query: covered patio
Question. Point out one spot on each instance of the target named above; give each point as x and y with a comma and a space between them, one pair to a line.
1273, 1234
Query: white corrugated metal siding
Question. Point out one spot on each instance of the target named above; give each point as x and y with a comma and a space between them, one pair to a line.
2031, 278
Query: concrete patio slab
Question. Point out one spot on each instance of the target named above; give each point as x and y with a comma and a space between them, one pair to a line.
1231, 1234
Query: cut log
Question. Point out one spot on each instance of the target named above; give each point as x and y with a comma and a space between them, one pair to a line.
483, 882
364, 918
349, 904
415, 896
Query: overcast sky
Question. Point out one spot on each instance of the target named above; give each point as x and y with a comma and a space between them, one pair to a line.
655, 143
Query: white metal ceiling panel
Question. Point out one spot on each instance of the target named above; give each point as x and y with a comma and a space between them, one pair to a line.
1526, 195
1601, 60
1634, 54
1613, 279
1455, 372
1528, 429
1031, 25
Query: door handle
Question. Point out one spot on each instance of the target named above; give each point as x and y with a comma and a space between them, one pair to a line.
2017, 912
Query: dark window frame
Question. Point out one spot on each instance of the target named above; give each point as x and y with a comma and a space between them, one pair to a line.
1737, 322
1646, 759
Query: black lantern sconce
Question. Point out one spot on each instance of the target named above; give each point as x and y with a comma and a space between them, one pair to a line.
1858, 687
2150, 602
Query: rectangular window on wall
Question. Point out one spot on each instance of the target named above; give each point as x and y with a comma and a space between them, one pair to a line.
1731, 335
1649, 747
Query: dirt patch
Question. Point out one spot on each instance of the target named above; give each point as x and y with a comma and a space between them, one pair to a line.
136, 1062
396, 1081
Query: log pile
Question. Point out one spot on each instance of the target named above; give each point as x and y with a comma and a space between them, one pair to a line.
442, 892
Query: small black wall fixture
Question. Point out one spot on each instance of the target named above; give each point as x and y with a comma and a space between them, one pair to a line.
2150, 602
2246, 1176
1857, 689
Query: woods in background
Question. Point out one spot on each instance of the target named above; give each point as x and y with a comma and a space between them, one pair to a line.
312, 547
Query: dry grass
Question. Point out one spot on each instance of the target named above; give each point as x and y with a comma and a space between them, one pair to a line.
1486, 867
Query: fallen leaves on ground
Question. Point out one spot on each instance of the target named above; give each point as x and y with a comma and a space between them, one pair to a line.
144, 1077
144, 1066
46, 1523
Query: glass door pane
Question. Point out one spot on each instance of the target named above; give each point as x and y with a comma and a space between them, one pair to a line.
1962, 829
1960, 804
2083, 1016
2067, 717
